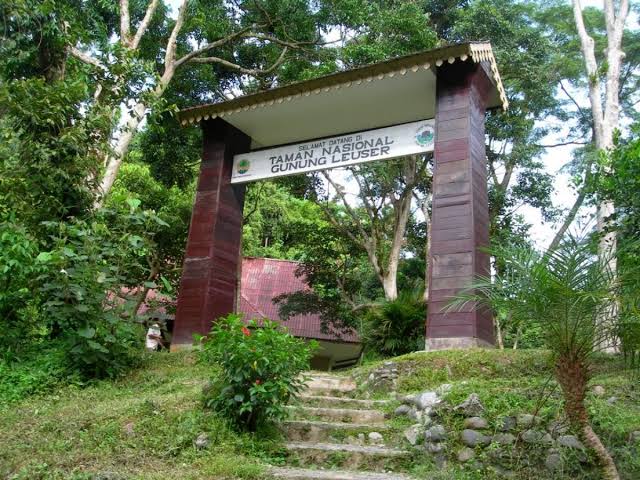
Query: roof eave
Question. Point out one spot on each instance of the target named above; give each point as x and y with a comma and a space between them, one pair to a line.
477, 51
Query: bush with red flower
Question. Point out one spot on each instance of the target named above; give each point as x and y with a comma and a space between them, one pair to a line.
261, 368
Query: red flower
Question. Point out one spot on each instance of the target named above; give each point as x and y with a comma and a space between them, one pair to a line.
245, 331
258, 382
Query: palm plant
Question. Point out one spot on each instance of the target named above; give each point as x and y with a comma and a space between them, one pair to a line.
567, 291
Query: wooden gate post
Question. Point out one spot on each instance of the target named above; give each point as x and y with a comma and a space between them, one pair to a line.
210, 274
460, 218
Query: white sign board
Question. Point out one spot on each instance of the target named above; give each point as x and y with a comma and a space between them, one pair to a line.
371, 145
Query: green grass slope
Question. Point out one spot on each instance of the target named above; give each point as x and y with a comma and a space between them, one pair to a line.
143, 426
514, 382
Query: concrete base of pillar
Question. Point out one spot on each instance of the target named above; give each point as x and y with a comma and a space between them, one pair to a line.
456, 343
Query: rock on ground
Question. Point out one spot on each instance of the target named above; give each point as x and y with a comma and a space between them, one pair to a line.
434, 447
553, 462
465, 454
634, 437
413, 433
471, 407
475, 423
471, 438
202, 441
402, 410
507, 424
504, 439
437, 433
558, 427
527, 420
536, 436
570, 441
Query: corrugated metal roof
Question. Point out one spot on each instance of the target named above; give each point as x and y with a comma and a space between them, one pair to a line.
262, 280
266, 278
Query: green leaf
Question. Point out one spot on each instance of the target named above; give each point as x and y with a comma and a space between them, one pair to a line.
134, 203
87, 332
44, 257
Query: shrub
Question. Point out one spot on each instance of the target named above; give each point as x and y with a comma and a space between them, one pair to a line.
261, 370
18, 272
37, 370
81, 286
396, 327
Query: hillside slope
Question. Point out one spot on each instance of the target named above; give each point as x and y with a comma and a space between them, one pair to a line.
145, 424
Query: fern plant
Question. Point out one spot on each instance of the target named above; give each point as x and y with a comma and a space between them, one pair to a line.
574, 297
396, 327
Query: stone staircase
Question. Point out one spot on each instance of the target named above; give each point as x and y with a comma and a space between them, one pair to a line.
333, 436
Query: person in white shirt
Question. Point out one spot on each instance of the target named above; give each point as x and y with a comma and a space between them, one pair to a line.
154, 338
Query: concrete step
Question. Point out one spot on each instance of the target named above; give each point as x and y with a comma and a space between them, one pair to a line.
336, 414
330, 385
335, 432
347, 457
339, 402
308, 474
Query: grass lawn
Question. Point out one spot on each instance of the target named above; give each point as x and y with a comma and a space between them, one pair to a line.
141, 426
144, 424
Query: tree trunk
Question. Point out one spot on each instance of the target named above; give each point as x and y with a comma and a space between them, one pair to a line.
120, 150
569, 219
572, 373
127, 133
389, 283
518, 335
496, 320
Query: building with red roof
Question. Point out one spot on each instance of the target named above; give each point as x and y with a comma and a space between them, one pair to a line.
262, 280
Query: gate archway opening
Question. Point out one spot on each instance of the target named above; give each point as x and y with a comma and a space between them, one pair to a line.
433, 101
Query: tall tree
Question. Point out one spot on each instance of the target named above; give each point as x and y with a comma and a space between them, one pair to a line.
589, 39
377, 218
605, 110
250, 38
378, 226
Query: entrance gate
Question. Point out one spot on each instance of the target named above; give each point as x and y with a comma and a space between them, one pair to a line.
430, 101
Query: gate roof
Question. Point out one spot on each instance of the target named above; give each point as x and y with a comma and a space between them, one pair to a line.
396, 91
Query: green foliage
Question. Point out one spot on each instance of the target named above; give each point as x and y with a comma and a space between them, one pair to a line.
81, 286
261, 370
18, 271
172, 205
396, 327
47, 150
384, 29
171, 151
276, 222
619, 182
567, 291
38, 370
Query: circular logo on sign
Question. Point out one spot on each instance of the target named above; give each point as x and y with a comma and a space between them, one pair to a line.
243, 166
424, 135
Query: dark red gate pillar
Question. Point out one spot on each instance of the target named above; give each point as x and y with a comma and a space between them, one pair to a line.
460, 216
211, 266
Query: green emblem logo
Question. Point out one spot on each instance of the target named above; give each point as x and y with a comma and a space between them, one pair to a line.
243, 166
425, 135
